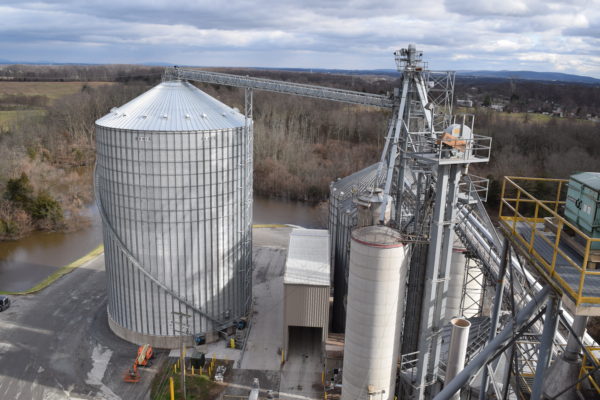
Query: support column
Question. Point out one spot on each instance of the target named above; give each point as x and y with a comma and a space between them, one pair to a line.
437, 275
573, 349
495, 314
550, 321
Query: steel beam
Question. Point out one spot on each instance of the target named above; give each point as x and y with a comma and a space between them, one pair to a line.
494, 346
495, 313
270, 85
437, 275
550, 322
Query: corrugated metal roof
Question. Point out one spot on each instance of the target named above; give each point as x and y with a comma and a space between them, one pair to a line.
591, 179
173, 106
308, 258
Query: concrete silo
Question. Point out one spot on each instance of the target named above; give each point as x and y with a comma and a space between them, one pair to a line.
376, 288
174, 189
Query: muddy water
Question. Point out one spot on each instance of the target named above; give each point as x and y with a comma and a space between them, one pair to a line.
26, 262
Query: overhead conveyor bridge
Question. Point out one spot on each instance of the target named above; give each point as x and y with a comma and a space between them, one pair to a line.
317, 92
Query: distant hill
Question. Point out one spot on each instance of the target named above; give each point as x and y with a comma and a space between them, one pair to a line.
524, 75
531, 75
503, 74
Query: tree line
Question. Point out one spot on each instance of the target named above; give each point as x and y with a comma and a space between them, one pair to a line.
300, 144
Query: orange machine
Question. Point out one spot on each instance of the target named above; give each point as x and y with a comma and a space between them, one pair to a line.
132, 375
452, 141
143, 359
144, 355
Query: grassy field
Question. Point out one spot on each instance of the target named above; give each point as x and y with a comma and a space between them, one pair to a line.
6, 117
53, 90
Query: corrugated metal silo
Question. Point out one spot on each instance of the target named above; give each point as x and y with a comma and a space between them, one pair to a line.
343, 216
174, 189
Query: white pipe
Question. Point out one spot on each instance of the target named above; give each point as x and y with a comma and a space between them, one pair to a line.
458, 350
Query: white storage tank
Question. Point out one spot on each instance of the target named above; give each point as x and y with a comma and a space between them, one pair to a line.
458, 265
376, 288
174, 189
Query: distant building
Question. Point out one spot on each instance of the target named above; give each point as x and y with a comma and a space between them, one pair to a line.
464, 103
497, 107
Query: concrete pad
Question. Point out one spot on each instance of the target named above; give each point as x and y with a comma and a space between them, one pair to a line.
265, 338
301, 374
271, 237
56, 344
241, 382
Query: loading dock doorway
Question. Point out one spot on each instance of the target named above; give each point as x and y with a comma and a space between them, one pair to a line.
301, 373
304, 341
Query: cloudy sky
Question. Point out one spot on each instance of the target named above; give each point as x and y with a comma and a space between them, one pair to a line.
538, 35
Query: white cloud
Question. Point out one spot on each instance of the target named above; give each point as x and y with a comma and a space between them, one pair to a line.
457, 34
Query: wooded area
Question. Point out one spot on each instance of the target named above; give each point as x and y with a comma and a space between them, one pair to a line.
301, 145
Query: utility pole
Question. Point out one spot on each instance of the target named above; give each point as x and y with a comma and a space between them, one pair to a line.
183, 330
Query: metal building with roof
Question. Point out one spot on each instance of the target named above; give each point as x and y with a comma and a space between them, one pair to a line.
306, 283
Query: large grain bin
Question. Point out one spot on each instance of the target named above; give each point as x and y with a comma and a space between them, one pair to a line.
174, 189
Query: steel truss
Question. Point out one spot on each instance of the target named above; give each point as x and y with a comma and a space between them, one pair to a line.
318, 92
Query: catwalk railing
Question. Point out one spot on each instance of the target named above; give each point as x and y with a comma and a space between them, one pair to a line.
561, 250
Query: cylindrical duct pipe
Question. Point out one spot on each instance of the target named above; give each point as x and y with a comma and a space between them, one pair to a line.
457, 278
573, 349
458, 350
377, 280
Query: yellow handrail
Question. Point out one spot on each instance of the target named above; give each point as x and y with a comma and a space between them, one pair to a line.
516, 202
585, 368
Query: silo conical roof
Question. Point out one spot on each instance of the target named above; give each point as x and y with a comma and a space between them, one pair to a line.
173, 106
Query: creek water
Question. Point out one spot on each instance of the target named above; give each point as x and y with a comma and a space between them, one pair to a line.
26, 262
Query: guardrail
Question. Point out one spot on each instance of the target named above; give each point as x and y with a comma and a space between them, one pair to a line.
445, 148
519, 208
588, 367
474, 187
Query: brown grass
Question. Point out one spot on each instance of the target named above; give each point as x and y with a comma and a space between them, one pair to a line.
52, 90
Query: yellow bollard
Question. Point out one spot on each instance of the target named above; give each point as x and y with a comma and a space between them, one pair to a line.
232, 343
175, 368
201, 369
325, 395
323, 378
192, 370
172, 385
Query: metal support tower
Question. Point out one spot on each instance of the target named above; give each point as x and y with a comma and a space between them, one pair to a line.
474, 288
550, 323
437, 275
422, 179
